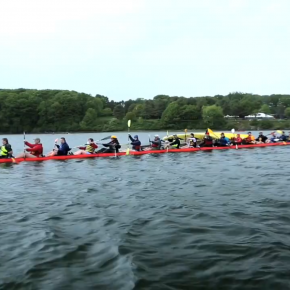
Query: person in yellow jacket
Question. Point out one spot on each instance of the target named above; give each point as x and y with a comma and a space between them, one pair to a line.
5, 149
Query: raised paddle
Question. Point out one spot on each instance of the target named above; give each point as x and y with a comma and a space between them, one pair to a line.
233, 132
24, 155
96, 142
128, 149
212, 133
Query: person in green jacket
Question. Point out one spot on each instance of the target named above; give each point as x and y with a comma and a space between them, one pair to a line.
5, 149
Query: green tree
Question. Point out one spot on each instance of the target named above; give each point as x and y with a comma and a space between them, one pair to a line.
287, 112
130, 116
265, 109
107, 112
213, 116
171, 114
119, 112
89, 120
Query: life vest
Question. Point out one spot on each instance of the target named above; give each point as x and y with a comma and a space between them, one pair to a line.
249, 139
158, 145
4, 151
208, 141
137, 147
90, 148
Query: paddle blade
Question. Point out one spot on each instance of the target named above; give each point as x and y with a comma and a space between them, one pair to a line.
233, 131
279, 131
185, 131
210, 131
128, 151
167, 133
129, 123
106, 138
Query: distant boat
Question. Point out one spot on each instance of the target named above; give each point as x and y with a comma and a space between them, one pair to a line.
259, 116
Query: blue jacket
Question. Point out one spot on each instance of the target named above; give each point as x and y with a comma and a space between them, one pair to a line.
136, 143
283, 138
63, 149
224, 141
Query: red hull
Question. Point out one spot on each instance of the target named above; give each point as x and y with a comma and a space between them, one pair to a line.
17, 160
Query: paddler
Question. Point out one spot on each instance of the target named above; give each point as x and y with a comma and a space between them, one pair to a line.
156, 143
5, 149
224, 141
191, 141
112, 147
250, 139
88, 149
34, 150
283, 137
135, 142
207, 141
175, 142
262, 137
274, 137
237, 140
60, 150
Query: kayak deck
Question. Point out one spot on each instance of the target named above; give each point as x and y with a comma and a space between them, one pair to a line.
67, 157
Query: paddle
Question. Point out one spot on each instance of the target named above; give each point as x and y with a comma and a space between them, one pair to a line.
128, 149
212, 133
233, 132
106, 138
185, 131
24, 155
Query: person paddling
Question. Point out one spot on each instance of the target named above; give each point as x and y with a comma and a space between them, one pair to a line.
238, 140
283, 137
136, 143
34, 150
88, 149
250, 139
274, 137
191, 141
5, 149
60, 150
207, 141
223, 141
156, 143
263, 138
175, 142
112, 147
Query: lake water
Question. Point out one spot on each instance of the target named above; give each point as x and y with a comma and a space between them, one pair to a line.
203, 220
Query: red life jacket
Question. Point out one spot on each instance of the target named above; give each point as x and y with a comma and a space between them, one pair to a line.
208, 141
138, 148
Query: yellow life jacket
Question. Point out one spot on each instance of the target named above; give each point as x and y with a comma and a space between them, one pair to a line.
4, 151
90, 149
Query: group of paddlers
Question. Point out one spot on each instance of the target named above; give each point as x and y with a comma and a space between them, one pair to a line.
214, 140
36, 149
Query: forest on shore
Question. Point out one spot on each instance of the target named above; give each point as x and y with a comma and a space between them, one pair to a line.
40, 111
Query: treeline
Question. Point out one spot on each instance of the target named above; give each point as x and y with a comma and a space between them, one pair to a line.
70, 111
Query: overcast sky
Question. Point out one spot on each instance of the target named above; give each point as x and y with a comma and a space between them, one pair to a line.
141, 48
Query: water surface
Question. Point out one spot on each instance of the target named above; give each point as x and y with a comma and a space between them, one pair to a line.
203, 220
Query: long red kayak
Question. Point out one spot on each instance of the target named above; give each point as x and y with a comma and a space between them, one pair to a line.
17, 160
